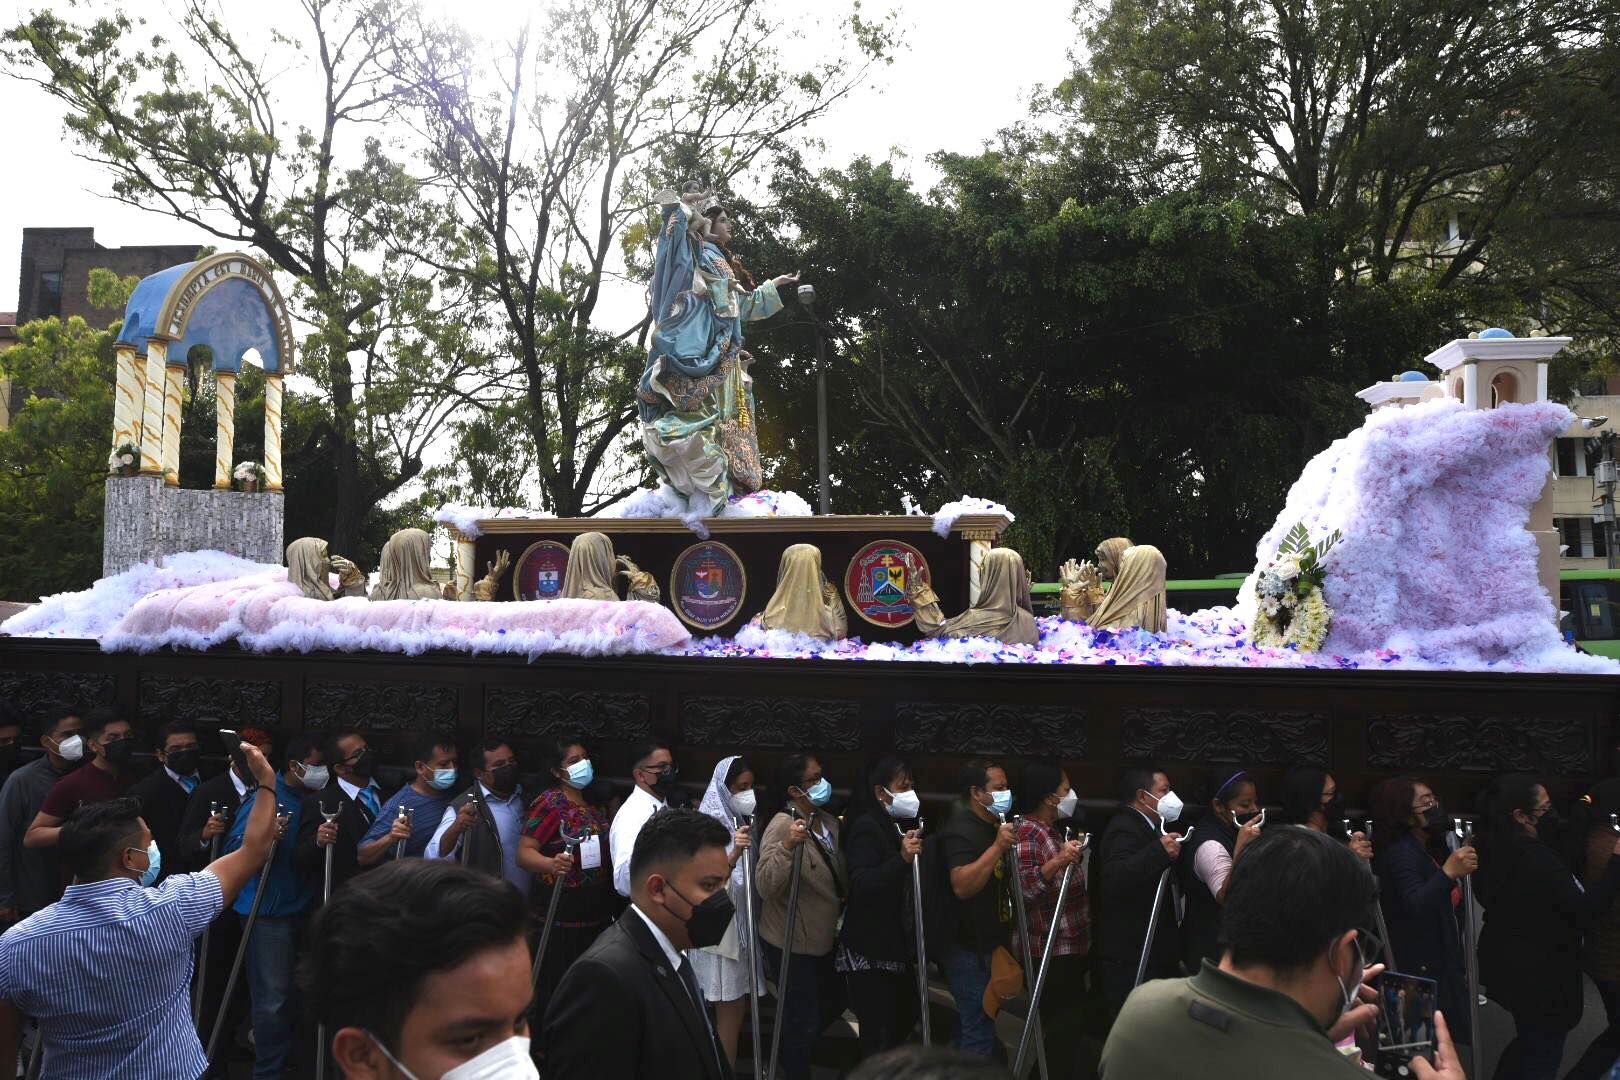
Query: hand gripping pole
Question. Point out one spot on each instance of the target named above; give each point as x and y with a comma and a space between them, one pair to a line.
787, 951
570, 845
922, 940
1032, 1022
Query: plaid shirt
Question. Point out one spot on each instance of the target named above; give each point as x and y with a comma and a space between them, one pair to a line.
1037, 843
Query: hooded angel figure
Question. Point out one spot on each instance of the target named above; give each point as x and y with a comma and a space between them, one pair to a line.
590, 569
1137, 598
1109, 553
805, 602
1003, 610
405, 572
308, 567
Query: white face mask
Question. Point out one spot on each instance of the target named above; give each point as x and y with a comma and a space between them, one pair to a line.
314, 778
1068, 804
1169, 807
71, 748
744, 802
507, 1060
905, 805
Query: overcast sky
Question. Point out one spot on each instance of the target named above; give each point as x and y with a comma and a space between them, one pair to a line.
967, 70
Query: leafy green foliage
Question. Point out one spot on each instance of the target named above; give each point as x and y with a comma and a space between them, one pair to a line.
1311, 557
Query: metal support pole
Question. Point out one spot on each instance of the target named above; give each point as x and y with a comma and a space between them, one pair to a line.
241, 950
36, 1060
1462, 835
1153, 924
202, 942
787, 951
407, 815
328, 816
1032, 1022
570, 845
755, 977
1378, 905
922, 940
822, 452
1033, 1019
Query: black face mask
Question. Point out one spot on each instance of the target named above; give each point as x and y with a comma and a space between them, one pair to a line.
1550, 826
118, 753
184, 762
1434, 818
1241, 820
504, 779
664, 786
1333, 812
708, 922
8, 758
363, 762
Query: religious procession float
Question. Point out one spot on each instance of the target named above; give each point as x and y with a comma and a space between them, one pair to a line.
1401, 614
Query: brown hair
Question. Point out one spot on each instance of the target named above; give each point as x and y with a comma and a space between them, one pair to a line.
1391, 806
744, 278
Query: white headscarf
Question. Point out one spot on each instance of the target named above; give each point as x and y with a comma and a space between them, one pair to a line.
718, 805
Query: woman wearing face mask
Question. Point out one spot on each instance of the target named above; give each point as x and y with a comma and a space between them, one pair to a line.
1535, 916
1232, 824
589, 904
1310, 797
1044, 856
815, 992
723, 971
1419, 890
877, 951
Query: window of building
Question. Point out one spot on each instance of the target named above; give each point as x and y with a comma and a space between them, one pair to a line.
1570, 458
49, 300
1569, 534
1600, 540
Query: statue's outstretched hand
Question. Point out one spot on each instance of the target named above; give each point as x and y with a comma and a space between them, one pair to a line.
348, 573
782, 281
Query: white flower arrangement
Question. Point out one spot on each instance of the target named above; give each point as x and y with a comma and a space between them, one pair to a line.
1290, 609
125, 458
248, 472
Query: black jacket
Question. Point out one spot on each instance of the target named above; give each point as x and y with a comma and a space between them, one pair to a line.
880, 921
1201, 927
1125, 876
163, 806
192, 851
481, 845
352, 821
1535, 917
621, 1011
1423, 932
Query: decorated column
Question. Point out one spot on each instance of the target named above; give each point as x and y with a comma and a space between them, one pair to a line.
152, 408
466, 563
980, 542
224, 427
272, 432
174, 376
128, 397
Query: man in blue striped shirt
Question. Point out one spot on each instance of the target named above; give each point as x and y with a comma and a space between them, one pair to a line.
107, 968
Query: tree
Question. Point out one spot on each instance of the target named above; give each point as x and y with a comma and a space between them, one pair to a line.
194, 130
552, 159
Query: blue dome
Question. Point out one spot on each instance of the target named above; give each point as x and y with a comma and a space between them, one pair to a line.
1494, 333
1411, 376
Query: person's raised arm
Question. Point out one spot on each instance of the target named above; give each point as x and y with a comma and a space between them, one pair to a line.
258, 834
45, 830
372, 852
969, 879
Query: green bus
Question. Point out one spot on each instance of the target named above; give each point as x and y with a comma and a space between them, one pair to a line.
1591, 598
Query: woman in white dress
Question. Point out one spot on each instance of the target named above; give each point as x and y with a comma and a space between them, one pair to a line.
723, 972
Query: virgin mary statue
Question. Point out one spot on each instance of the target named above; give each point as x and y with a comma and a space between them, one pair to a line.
696, 396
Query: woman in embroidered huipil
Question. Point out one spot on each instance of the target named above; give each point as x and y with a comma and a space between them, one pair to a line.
696, 396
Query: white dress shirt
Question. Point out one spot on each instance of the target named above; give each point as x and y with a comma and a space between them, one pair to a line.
675, 955
627, 824
508, 815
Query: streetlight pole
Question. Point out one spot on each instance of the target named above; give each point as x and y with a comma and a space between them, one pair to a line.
807, 298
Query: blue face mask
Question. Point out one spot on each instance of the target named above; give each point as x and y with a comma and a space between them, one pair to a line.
581, 773
443, 779
1000, 802
154, 864
820, 793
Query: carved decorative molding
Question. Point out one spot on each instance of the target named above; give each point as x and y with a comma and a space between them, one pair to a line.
538, 713
380, 706
1551, 745
771, 723
239, 702
927, 727
1239, 736
34, 691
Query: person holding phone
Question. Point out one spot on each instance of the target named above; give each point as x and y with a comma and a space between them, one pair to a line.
106, 969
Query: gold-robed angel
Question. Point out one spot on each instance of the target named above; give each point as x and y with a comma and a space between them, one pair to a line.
805, 602
308, 565
405, 571
638, 583
484, 588
590, 572
1082, 592
1137, 597
1003, 609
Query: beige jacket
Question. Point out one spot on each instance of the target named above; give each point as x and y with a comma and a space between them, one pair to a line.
823, 883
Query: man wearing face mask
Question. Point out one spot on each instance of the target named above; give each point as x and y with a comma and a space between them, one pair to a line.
424, 797
109, 739
631, 1005
1291, 981
352, 795
973, 846
655, 776
419, 970
1044, 856
1135, 851
106, 969
288, 897
32, 878
489, 823
164, 791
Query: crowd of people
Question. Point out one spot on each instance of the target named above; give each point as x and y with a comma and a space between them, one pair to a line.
291, 911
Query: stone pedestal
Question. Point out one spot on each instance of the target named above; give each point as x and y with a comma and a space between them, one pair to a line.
146, 518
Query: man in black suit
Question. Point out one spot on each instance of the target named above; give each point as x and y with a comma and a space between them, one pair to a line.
630, 1005
1134, 853
354, 794
167, 789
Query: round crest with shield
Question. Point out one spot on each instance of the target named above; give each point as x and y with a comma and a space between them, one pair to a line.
707, 585
540, 570
875, 583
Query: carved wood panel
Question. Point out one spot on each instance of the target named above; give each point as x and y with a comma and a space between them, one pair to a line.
771, 723
926, 727
408, 707
1236, 735
522, 713
1548, 745
238, 702
35, 691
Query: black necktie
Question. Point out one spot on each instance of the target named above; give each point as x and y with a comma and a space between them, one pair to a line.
689, 979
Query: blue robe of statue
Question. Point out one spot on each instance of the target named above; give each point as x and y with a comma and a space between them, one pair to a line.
696, 396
